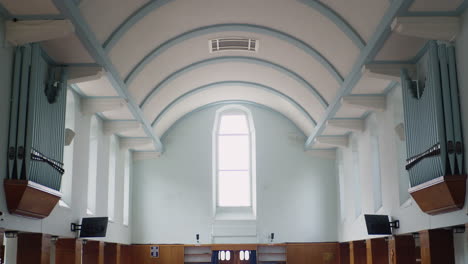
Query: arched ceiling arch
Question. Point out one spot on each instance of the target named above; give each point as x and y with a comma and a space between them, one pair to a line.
214, 85
151, 6
223, 103
228, 28
240, 71
177, 17
230, 59
226, 92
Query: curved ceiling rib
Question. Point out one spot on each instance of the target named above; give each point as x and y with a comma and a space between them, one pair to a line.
194, 65
242, 83
338, 20
326, 11
226, 102
234, 27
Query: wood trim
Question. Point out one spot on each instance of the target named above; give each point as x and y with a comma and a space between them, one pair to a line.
357, 252
68, 251
33, 248
441, 195
437, 246
402, 250
377, 251
344, 253
93, 252
30, 199
111, 253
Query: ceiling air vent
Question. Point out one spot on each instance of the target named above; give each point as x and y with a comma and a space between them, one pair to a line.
223, 44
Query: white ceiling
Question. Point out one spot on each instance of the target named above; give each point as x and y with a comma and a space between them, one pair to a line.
163, 50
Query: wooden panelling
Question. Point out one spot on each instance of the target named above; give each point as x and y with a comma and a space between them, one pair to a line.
33, 248
344, 253
68, 251
93, 252
377, 251
111, 253
317, 253
125, 254
357, 252
401, 250
437, 246
168, 254
441, 195
30, 199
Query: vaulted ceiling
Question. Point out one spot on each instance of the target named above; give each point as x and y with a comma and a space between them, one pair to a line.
157, 56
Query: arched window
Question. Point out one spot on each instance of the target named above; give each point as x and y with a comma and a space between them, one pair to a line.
234, 159
92, 165
66, 184
111, 184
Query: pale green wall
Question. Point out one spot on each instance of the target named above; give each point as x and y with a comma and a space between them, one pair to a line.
296, 193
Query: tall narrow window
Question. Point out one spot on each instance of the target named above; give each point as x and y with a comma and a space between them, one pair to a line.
66, 185
234, 158
376, 178
356, 180
92, 165
126, 204
111, 184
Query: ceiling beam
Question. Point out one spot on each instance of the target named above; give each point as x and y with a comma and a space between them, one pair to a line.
322, 153
334, 141
78, 74
91, 106
352, 124
132, 143
387, 71
119, 126
428, 27
366, 102
20, 33
374, 44
89, 40
145, 155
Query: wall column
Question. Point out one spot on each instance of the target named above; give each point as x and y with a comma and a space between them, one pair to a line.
377, 251
33, 248
68, 251
357, 252
402, 250
111, 253
93, 252
437, 246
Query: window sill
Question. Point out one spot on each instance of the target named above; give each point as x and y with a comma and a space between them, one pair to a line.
235, 213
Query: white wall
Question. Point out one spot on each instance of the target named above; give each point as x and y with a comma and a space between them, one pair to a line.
296, 193
58, 223
412, 219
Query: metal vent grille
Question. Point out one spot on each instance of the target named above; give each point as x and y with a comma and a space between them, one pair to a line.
223, 44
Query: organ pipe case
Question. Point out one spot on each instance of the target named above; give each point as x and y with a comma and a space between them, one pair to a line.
36, 135
433, 131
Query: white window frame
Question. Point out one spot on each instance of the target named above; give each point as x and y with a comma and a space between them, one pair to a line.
356, 170
240, 212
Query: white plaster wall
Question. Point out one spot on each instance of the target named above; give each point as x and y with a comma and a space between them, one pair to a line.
296, 193
58, 223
